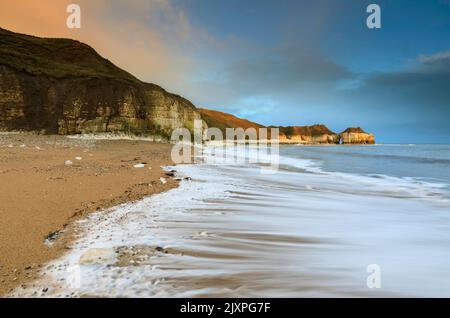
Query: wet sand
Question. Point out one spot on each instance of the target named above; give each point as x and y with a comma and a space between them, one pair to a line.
47, 182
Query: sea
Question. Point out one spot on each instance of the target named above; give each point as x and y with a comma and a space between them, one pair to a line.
329, 221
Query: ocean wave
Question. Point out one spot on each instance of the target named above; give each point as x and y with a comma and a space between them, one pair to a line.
375, 184
369, 184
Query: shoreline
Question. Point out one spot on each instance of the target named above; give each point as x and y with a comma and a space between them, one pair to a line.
50, 181
218, 235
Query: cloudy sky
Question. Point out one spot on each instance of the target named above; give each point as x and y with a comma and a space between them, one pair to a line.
276, 62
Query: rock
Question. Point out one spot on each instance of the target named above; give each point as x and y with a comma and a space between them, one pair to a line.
68, 162
139, 165
78, 158
356, 136
98, 256
163, 180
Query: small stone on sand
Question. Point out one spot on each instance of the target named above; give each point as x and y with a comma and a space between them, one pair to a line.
98, 256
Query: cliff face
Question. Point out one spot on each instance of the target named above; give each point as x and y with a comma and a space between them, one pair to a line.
316, 134
356, 136
63, 86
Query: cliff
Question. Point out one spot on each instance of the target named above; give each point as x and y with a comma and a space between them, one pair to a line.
64, 86
356, 136
316, 134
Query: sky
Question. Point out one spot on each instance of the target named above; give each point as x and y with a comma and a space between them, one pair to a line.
276, 62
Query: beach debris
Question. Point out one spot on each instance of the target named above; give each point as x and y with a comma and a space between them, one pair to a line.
37, 147
171, 173
163, 180
139, 165
78, 158
52, 237
22, 146
98, 256
68, 162
10, 145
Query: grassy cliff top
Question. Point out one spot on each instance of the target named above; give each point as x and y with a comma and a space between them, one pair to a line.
354, 130
315, 130
56, 58
223, 120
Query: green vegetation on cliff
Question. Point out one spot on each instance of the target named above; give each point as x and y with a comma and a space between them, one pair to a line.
56, 58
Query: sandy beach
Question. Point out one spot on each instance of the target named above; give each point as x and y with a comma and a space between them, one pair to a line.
47, 182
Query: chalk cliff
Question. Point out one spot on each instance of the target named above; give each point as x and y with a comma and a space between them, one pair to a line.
64, 86
356, 136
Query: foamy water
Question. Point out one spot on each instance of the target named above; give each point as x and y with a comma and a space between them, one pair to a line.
233, 231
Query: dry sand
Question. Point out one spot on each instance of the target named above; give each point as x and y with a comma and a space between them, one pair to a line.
41, 192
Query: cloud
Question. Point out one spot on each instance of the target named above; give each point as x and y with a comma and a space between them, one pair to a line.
286, 69
153, 39
416, 98
271, 79
427, 82
430, 59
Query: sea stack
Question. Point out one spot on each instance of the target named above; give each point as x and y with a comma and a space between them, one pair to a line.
356, 136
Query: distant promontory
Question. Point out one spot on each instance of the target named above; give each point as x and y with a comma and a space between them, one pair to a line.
315, 134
